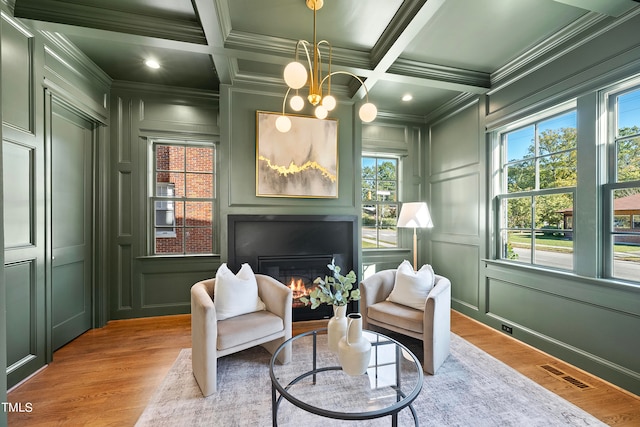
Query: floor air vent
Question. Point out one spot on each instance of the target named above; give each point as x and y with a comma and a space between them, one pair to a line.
564, 377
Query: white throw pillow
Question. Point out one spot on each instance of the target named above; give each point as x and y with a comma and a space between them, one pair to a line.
236, 294
412, 287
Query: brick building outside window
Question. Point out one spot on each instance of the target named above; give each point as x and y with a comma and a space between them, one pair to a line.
183, 200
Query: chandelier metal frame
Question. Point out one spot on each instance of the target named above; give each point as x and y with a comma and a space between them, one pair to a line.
296, 77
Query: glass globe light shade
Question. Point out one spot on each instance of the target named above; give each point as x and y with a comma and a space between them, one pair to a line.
329, 102
283, 124
321, 112
295, 75
296, 103
368, 112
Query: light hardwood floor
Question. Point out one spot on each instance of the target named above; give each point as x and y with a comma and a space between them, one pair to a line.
106, 376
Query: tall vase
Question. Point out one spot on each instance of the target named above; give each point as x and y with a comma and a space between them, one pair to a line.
354, 350
337, 327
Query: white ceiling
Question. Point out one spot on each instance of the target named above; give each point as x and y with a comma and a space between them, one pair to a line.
438, 50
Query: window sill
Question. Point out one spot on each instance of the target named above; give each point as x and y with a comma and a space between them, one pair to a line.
179, 256
386, 250
534, 269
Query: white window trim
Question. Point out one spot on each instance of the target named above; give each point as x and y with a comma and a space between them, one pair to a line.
499, 181
151, 198
399, 170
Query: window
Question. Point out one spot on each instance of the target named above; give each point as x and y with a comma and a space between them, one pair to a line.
164, 210
183, 198
379, 202
536, 198
622, 191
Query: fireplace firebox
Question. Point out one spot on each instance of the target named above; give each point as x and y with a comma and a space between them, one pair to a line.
294, 249
299, 273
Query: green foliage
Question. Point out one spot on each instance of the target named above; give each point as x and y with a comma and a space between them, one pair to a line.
557, 165
334, 290
629, 155
549, 207
511, 254
382, 177
368, 219
519, 210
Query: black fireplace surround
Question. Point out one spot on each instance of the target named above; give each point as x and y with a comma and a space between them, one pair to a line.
294, 247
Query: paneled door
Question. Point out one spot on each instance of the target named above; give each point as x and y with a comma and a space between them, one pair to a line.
71, 213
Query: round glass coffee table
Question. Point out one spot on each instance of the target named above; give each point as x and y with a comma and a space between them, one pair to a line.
315, 382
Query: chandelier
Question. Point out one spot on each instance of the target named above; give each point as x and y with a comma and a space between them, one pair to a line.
296, 77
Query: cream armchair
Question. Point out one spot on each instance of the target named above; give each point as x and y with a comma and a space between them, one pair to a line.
432, 325
211, 339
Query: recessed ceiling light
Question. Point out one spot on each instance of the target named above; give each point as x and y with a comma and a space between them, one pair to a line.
407, 97
152, 63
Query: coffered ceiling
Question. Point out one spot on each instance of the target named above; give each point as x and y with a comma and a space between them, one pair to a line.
437, 50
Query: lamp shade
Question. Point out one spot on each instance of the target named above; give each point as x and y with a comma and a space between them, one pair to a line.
296, 103
415, 215
368, 112
295, 75
283, 124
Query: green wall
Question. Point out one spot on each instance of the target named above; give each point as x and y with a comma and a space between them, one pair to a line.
401, 137
590, 322
446, 163
141, 285
36, 70
144, 286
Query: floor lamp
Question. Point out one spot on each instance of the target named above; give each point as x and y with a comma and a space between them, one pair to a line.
415, 215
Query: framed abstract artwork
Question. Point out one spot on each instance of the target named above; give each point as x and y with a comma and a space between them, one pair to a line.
300, 163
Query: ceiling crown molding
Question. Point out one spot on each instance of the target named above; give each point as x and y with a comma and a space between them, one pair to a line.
162, 90
583, 30
398, 117
578, 28
111, 20
10, 4
277, 85
441, 73
58, 44
459, 102
281, 51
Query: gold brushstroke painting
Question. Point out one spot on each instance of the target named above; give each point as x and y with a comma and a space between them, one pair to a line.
300, 163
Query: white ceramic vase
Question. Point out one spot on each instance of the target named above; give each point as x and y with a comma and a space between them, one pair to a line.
354, 350
337, 327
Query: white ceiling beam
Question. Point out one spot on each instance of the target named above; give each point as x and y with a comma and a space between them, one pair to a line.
395, 49
211, 14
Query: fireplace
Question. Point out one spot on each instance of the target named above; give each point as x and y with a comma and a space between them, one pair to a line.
294, 249
298, 273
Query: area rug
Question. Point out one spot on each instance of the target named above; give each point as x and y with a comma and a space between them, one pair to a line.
472, 388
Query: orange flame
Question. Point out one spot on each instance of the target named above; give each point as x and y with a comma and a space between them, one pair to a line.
298, 288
